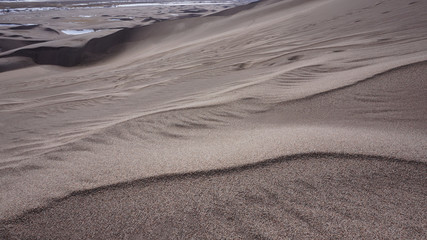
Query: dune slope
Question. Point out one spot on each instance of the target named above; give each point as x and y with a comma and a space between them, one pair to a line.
304, 196
277, 79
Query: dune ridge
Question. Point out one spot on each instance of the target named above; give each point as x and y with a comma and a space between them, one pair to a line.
95, 49
88, 51
64, 40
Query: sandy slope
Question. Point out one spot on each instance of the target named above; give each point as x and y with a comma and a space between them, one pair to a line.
309, 196
282, 78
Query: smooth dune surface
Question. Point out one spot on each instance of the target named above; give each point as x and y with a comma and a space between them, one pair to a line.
169, 135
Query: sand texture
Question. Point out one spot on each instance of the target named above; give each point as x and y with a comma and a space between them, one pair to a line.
273, 120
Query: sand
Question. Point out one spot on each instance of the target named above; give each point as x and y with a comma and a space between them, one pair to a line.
62, 31
308, 196
164, 131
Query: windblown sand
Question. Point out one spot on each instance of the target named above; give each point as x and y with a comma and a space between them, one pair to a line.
164, 131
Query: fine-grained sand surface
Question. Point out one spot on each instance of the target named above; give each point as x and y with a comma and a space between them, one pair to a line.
162, 131
308, 196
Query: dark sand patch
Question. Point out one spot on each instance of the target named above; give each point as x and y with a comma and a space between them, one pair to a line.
8, 44
315, 195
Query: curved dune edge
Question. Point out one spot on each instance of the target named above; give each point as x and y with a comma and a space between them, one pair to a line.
406, 145
415, 61
317, 194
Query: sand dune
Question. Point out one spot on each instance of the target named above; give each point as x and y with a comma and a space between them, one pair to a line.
64, 30
333, 90
316, 195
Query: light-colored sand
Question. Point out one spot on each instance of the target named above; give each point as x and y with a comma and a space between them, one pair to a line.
282, 78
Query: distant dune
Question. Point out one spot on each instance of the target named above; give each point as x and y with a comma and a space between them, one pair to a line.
274, 120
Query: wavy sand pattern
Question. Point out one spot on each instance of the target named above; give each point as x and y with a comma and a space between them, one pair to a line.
128, 147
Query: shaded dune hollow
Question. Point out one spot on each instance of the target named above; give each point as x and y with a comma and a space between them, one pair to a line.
91, 51
305, 196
